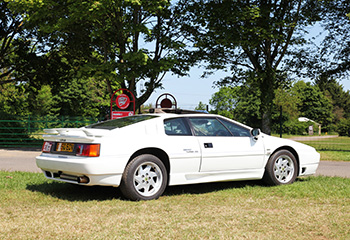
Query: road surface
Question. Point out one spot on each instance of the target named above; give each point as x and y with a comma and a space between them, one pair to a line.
17, 160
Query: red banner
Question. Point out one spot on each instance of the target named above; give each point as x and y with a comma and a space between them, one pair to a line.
116, 114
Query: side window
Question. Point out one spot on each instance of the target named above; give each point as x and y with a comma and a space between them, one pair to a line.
236, 130
176, 126
208, 127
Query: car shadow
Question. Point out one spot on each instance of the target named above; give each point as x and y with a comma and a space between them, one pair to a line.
72, 192
203, 188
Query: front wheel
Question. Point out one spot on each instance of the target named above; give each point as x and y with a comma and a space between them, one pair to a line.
282, 168
144, 178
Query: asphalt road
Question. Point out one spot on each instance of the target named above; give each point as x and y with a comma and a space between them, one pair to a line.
15, 160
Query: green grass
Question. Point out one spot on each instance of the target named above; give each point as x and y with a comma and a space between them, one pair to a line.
332, 149
32, 207
335, 156
326, 144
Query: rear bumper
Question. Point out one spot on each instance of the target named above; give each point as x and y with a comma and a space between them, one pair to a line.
99, 171
87, 180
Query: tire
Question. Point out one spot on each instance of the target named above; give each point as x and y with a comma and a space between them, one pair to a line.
144, 178
282, 168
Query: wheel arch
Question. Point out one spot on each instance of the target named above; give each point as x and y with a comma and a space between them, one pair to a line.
159, 153
292, 150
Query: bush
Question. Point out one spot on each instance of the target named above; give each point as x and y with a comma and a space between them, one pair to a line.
295, 127
12, 128
343, 127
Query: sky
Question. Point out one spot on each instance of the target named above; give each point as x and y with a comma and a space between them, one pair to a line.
190, 90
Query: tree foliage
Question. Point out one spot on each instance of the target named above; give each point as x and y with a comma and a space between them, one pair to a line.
300, 100
241, 103
335, 92
253, 39
15, 49
313, 103
124, 43
334, 55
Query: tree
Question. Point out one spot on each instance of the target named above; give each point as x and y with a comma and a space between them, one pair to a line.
201, 106
125, 43
13, 100
241, 103
339, 98
289, 101
334, 55
253, 40
314, 104
15, 48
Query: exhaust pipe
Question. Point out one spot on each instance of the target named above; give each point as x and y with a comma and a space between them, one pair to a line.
83, 179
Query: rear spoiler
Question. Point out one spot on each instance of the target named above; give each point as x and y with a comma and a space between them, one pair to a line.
76, 134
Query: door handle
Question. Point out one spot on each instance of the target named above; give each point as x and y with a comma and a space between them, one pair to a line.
208, 145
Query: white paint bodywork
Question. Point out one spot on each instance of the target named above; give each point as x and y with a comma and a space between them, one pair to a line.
230, 158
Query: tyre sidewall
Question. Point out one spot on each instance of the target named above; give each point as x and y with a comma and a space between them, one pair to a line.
269, 176
127, 185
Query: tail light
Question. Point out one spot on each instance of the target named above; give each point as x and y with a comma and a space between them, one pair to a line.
47, 147
88, 150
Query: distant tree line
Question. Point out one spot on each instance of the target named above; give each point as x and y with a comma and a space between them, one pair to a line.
325, 103
67, 57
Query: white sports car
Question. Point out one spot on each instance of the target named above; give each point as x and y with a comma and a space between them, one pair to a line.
143, 154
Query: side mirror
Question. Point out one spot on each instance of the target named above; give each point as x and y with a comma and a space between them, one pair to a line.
255, 132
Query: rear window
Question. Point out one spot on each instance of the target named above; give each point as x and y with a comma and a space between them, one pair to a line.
121, 122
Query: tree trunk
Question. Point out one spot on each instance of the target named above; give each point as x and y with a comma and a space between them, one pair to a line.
267, 96
266, 123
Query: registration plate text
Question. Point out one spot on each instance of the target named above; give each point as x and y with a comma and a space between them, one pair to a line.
64, 147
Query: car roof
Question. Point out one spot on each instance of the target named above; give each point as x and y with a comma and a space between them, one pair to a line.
174, 115
191, 113
176, 111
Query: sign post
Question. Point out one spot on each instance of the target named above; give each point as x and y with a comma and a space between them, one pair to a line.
166, 102
123, 99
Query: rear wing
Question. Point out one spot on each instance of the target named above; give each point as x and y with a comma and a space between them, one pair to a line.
74, 134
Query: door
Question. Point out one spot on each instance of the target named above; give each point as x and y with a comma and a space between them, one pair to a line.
226, 146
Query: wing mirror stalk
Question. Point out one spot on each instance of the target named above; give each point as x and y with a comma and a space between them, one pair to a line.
255, 132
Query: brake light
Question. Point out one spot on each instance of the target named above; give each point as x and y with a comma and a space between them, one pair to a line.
88, 150
47, 147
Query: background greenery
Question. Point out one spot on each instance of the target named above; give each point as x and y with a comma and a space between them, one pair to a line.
60, 58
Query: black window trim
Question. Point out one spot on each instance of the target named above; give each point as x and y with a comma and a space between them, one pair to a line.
250, 135
220, 119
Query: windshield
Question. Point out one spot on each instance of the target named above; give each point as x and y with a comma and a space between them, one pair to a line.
121, 122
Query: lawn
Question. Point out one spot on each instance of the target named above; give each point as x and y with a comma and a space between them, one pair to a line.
331, 149
32, 207
326, 144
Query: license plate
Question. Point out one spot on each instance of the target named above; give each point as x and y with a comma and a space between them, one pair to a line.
65, 147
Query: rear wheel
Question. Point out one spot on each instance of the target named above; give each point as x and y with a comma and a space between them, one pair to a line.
282, 168
144, 178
